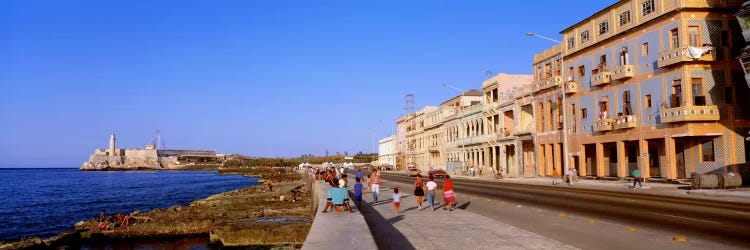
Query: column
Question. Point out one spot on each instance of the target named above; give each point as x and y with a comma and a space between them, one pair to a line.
601, 165
671, 163
622, 160
542, 163
558, 159
582, 161
643, 162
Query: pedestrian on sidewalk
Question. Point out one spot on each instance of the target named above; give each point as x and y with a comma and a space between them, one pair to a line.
419, 190
396, 200
431, 187
449, 197
358, 193
637, 178
555, 175
571, 175
375, 181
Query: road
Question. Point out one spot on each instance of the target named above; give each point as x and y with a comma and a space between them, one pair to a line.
594, 219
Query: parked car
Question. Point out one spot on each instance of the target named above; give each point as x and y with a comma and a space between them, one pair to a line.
438, 172
412, 172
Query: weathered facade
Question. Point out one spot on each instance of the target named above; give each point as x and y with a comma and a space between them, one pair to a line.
650, 84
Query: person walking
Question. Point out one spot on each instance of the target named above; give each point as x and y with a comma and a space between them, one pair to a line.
396, 200
637, 178
431, 187
555, 175
419, 190
375, 181
449, 196
571, 174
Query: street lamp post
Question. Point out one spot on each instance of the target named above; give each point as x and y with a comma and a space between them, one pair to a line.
460, 123
564, 107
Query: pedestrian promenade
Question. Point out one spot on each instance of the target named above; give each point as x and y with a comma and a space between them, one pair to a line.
415, 228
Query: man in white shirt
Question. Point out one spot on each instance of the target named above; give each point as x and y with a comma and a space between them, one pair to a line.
431, 188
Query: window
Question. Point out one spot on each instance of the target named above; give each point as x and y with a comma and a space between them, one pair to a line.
697, 87
584, 114
626, 108
707, 151
624, 18
694, 38
647, 7
571, 42
674, 38
581, 71
603, 27
557, 68
647, 101
584, 36
547, 71
676, 93
602, 62
644, 49
624, 60
603, 112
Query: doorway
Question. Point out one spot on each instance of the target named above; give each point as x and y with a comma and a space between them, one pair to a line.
679, 149
591, 168
654, 156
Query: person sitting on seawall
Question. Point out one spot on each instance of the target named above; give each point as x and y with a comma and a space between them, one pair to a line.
329, 199
340, 197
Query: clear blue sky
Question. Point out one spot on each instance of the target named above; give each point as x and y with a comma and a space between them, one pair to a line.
261, 78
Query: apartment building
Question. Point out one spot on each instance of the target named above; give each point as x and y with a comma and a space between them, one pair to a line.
648, 83
463, 124
416, 152
388, 151
508, 126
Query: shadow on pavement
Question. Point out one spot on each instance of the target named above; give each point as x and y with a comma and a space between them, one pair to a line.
385, 234
464, 206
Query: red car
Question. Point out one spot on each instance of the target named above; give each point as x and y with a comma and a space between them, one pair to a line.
437, 173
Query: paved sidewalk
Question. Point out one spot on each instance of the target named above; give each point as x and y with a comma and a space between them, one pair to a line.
442, 229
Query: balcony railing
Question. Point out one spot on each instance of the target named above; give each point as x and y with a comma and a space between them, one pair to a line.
623, 72
626, 121
690, 113
603, 125
571, 87
547, 83
601, 77
686, 54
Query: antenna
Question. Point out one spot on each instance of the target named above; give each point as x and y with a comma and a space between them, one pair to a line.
409, 104
488, 73
159, 141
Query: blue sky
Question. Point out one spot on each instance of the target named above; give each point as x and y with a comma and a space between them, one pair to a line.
261, 78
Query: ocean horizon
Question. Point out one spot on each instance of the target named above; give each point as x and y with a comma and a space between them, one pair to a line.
45, 201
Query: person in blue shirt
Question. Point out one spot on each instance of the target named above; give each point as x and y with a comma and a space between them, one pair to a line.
358, 192
339, 197
358, 174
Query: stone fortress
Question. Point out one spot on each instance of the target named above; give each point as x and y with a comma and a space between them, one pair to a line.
150, 158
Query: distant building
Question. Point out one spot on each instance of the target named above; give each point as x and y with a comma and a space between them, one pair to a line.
387, 151
148, 158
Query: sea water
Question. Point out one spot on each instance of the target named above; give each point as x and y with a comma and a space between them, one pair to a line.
43, 202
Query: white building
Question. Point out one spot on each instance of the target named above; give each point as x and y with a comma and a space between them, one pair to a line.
387, 151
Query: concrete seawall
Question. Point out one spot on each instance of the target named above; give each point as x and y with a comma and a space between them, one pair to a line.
336, 230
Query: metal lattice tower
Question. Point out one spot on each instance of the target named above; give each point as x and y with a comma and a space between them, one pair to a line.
158, 141
409, 104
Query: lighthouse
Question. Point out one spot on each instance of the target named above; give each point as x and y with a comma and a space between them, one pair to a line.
111, 150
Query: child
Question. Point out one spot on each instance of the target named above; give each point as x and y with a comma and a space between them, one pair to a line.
358, 192
396, 199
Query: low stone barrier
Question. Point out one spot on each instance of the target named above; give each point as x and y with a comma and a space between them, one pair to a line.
336, 230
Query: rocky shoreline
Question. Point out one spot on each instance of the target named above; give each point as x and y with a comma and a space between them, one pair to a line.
253, 216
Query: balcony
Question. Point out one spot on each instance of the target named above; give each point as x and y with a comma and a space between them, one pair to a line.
686, 54
623, 72
601, 77
626, 121
547, 83
602, 125
571, 87
690, 114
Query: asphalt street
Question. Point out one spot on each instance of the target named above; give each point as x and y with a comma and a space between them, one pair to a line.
596, 219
